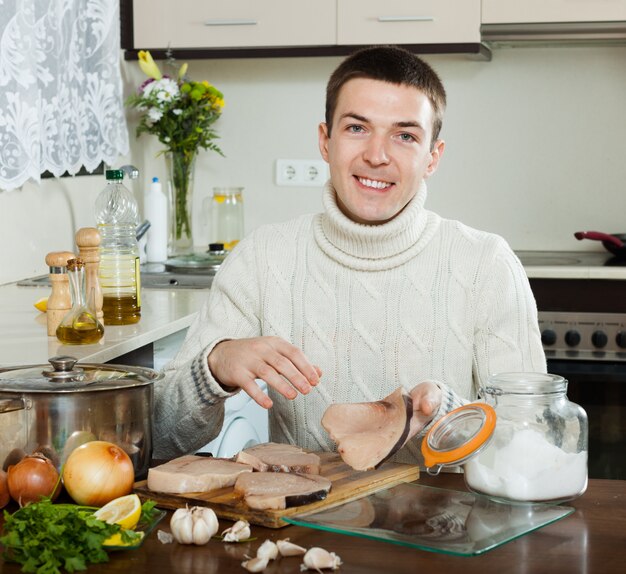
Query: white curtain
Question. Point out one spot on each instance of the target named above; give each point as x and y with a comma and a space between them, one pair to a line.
61, 102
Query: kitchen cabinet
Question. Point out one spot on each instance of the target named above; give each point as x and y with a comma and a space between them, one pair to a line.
262, 28
402, 22
544, 11
237, 23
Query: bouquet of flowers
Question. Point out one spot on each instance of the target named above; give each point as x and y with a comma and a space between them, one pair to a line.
181, 113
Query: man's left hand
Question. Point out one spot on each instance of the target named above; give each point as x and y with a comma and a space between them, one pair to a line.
426, 398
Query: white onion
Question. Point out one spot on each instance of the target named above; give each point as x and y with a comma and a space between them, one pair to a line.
97, 472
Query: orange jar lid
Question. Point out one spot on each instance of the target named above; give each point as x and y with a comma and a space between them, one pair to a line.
457, 436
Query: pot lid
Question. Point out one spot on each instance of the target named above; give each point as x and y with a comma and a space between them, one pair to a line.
65, 375
458, 436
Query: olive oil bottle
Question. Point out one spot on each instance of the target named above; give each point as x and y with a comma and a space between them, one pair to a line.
80, 326
117, 216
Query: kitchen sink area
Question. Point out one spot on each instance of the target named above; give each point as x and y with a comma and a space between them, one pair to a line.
153, 276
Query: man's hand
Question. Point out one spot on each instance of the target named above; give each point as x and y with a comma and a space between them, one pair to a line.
238, 362
426, 402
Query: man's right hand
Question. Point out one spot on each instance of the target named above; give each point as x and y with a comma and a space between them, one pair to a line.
236, 363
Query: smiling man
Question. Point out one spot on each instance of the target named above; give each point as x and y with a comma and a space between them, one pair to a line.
373, 294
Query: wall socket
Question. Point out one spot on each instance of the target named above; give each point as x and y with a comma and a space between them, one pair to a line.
298, 172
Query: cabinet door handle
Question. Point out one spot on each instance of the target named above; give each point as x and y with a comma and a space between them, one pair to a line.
231, 22
406, 19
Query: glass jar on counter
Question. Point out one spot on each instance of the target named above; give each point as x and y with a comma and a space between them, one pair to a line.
225, 216
526, 442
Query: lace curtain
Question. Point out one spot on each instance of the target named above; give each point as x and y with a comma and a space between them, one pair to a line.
61, 103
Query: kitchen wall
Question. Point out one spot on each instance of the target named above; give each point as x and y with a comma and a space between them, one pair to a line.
535, 150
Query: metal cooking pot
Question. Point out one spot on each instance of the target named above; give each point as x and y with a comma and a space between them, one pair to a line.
56, 409
615, 243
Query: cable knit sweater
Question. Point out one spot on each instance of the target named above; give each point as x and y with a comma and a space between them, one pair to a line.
375, 307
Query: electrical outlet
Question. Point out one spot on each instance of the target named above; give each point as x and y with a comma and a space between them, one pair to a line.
299, 172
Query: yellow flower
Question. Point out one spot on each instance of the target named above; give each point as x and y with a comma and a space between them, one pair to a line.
182, 71
206, 84
147, 65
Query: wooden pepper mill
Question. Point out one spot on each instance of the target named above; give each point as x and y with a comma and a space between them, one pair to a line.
88, 242
60, 300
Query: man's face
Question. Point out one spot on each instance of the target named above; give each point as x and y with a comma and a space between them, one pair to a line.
380, 148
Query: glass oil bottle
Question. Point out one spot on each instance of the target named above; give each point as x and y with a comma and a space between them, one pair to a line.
116, 214
80, 326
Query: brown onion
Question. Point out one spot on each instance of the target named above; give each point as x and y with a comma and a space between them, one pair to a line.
97, 472
31, 478
4, 490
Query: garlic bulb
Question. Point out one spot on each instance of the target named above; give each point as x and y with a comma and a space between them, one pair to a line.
195, 525
238, 531
287, 548
255, 564
319, 559
268, 550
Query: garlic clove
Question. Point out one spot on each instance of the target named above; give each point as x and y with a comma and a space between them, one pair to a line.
318, 559
208, 516
164, 537
181, 526
201, 533
267, 550
255, 564
287, 548
238, 531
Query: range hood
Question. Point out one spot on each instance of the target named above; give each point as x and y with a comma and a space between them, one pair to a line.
554, 32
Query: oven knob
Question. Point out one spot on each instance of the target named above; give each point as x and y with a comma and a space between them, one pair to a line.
620, 339
548, 337
599, 339
572, 338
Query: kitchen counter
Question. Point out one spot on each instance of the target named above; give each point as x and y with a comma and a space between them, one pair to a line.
591, 540
24, 340
572, 265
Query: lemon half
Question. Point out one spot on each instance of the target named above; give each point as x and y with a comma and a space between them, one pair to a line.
41, 304
124, 511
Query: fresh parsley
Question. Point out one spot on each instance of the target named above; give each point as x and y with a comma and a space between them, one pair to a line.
45, 537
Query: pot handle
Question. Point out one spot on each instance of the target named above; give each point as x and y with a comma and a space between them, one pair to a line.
10, 405
598, 236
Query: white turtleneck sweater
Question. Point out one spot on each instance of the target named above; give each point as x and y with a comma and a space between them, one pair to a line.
419, 298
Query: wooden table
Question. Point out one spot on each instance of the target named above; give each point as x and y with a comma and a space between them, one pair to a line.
592, 540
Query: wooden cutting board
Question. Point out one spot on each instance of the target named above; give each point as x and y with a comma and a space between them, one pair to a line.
348, 484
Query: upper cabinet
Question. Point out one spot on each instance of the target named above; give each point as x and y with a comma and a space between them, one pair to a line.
233, 24
545, 11
298, 27
405, 22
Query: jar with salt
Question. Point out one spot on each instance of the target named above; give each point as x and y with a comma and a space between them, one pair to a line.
527, 441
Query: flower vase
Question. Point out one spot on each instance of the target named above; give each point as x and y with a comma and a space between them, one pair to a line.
180, 175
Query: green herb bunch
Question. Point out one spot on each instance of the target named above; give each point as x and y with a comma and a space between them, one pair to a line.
45, 537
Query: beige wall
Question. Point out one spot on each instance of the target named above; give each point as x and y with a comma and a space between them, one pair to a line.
536, 150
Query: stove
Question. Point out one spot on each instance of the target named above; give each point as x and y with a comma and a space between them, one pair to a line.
579, 259
581, 302
581, 299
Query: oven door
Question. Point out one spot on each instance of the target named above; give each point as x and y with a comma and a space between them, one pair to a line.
599, 388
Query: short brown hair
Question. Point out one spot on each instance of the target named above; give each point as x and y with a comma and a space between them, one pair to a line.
388, 64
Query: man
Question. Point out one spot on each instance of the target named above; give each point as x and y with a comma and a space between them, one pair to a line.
373, 294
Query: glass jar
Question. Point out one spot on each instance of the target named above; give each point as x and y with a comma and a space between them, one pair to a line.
536, 450
226, 216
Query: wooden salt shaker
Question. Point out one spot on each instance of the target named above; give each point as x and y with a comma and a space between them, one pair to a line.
60, 300
88, 241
